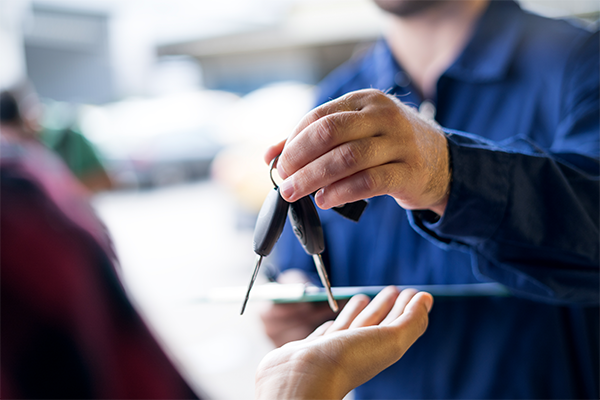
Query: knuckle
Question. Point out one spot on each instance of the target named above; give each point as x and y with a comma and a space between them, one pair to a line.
307, 180
377, 95
371, 182
370, 93
326, 130
349, 155
345, 101
352, 99
301, 178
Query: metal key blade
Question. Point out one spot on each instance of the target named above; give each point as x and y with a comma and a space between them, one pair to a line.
254, 275
325, 281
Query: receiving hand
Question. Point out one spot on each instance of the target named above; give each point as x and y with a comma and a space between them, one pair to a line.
361, 145
363, 340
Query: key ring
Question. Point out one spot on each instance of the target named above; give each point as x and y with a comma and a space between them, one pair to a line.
271, 166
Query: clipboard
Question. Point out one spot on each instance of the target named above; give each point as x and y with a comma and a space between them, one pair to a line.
299, 292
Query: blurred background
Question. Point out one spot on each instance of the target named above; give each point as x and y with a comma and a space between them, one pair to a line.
163, 109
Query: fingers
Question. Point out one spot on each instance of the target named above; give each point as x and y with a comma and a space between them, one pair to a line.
403, 299
274, 151
377, 309
348, 351
336, 164
320, 137
413, 321
354, 101
400, 334
346, 132
354, 307
376, 181
350, 155
343, 103
360, 312
420, 304
386, 308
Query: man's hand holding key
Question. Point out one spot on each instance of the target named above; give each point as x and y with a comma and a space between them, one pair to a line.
362, 145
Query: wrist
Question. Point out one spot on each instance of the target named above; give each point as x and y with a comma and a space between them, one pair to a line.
439, 207
297, 374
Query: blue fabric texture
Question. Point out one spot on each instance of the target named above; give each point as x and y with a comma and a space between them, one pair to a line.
520, 107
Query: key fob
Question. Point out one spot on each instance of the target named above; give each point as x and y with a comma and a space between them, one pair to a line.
270, 222
307, 225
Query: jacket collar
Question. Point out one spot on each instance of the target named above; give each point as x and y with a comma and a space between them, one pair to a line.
490, 51
485, 58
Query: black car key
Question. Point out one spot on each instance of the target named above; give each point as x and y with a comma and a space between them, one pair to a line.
268, 228
306, 225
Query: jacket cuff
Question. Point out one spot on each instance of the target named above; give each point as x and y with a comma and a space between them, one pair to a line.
478, 194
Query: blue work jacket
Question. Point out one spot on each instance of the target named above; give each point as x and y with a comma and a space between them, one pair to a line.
521, 112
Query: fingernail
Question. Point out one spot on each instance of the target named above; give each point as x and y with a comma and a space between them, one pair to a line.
319, 199
287, 189
282, 172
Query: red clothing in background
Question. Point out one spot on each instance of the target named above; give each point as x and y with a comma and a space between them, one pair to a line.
67, 327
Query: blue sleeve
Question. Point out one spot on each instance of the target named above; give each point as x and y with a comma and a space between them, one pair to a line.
530, 216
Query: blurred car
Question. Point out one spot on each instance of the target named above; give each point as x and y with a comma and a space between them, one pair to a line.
166, 159
158, 141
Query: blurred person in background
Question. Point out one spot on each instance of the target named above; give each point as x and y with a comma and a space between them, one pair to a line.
473, 127
69, 330
56, 127
79, 154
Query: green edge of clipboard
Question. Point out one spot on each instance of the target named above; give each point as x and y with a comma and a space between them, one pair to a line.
296, 293
313, 294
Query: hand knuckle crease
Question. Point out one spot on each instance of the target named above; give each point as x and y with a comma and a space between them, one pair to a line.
326, 131
370, 182
349, 156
